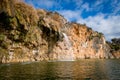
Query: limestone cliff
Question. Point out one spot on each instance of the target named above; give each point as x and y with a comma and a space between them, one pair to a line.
27, 34
79, 42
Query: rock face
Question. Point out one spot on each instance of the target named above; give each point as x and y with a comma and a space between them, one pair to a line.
27, 34
79, 42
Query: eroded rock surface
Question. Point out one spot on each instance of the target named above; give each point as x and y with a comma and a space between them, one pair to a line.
27, 34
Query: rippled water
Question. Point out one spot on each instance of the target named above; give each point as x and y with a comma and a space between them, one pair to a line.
89, 69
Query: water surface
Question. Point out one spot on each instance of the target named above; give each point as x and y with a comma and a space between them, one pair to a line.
89, 69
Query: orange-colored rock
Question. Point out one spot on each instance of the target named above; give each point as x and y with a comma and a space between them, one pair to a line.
36, 35
81, 46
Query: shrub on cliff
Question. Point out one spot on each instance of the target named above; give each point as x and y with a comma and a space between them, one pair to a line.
114, 44
98, 34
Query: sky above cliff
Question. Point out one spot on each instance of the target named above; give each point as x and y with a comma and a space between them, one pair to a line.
101, 15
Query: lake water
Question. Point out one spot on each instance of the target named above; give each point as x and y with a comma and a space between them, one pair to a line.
88, 69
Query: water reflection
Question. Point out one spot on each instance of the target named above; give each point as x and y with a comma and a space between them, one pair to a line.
90, 69
76, 70
113, 69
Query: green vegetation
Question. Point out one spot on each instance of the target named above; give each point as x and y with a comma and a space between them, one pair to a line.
100, 35
4, 44
92, 36
2, 37
114, 44
89, 29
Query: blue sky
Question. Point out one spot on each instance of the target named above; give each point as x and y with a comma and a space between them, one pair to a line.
101, 15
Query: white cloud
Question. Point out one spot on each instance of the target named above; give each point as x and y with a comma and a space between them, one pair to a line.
116, 7
98, 2
95, 5
82, 6
86, 6
78, 3
70, 15
47, 3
